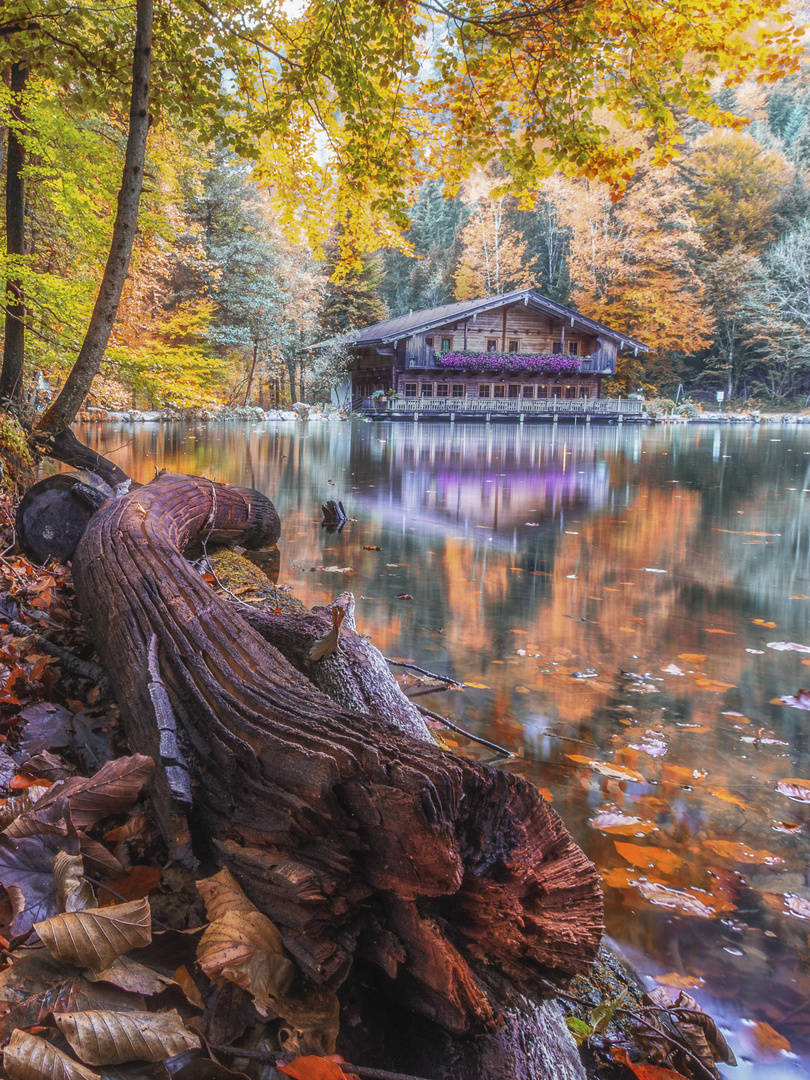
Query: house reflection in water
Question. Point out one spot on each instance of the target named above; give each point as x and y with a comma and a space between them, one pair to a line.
501, 479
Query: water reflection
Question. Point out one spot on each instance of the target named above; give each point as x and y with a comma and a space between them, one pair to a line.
613, 593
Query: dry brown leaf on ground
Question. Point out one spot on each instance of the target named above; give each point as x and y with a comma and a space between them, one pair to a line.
242, 946
109, 1038
29, 1058
95, 938
74, 891
132, 976
112, 789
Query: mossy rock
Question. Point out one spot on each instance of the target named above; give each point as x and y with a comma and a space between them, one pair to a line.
18, 468
243, 579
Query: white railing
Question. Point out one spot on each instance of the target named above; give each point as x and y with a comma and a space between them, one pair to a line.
580, 406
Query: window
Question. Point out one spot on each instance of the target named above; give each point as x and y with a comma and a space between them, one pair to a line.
429, 341
427, 389
556, 348
584, 391
410, 389
483, 389
447, 344
528, 391
570, 391
442, 389
514, 345
556, 391
542, 391
499, 390
458, 389
492, 344
514, 391
573, 348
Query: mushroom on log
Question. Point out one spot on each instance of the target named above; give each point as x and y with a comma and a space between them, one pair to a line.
357, 839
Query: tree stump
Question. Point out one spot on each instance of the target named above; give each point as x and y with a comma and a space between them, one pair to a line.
356, 839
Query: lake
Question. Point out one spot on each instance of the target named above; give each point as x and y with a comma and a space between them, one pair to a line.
598, 591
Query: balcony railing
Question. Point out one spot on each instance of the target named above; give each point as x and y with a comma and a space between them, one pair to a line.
580, 406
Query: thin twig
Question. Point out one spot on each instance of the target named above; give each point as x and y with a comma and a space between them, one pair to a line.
422, 671
86, 669
638, 1019
118, 896
276, 1058
467, 734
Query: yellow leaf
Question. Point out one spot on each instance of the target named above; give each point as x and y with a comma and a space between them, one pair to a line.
650, 857
477, 685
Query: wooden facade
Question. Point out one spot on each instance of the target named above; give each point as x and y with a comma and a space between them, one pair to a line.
404, 354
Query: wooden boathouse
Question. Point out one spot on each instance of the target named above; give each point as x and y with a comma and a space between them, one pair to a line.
514, 356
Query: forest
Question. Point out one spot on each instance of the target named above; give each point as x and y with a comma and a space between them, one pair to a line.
702, 253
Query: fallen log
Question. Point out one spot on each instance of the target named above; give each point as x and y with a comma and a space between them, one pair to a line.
356, 839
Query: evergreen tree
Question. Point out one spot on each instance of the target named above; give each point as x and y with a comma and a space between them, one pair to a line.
353, 301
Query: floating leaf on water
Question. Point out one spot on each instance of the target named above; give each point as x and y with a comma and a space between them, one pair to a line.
756, 652
617, 772
29, 1058
800, 701
726, 796
673, 669
795, 789
714, 630
713, 686
100, 1037
787, 646
404, 596
619, 877
739, 852
761, 1042
649, 857
477, 685
622, 824
762, 622
800, 596
680, 982
371, 547
787, 827
797, 906
692, 657
687, 901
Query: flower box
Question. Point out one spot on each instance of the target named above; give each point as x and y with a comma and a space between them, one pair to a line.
510, 363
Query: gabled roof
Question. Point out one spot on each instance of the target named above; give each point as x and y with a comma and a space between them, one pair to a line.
418, 322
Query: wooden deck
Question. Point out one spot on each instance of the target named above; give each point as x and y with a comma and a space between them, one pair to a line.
514, 409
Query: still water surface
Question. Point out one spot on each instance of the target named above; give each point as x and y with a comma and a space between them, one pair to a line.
612, 594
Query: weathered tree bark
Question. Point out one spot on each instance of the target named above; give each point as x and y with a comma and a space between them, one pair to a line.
11, 376
64, 409
356, 839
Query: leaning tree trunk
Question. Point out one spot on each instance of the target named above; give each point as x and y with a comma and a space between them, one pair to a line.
358, 840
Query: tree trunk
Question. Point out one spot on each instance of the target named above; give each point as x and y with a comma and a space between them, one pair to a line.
250, 376
64, 409
357, 839
11, 377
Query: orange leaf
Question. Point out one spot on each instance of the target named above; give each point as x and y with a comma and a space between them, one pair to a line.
692, 657
645, 1072
713, 685
762, 1042
617, 772
477, 685
738, 852
135, 885
708, 630
726, 796
761, 622
313, 1068
649, 857
342, 1061
21, 781
679, 982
